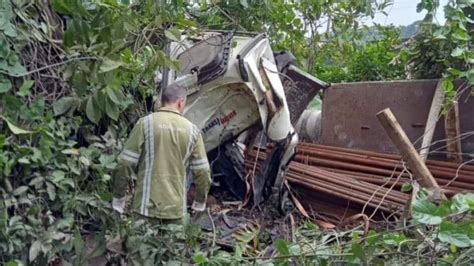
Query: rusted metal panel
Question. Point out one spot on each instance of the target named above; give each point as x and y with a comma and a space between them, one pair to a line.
300, 89
466, 121
349, 110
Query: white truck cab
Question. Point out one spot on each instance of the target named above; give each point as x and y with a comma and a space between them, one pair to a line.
234, 85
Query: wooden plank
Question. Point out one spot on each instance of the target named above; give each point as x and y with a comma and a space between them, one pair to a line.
453, 130
433, 118
406, 148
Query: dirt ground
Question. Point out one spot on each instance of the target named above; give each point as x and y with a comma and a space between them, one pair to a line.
231, 222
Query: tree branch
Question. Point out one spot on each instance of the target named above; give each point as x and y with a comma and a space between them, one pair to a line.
48, 66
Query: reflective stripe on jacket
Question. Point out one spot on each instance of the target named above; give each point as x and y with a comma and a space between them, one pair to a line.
159, 150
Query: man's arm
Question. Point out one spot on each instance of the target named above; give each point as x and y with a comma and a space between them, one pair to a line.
127, 162
201, 174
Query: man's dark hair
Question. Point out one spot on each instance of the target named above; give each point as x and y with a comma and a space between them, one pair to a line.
172, 93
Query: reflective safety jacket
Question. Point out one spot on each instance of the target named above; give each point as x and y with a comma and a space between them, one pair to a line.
159, 150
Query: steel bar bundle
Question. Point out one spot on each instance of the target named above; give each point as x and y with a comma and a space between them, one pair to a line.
359, 179
379, 167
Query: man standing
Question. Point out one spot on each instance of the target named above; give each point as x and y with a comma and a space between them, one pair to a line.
159, 150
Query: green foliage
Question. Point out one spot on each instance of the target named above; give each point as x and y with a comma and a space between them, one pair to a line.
445, 51
445, 239
67, 75
459, 233
426, 212
156, 244
59, 186
377, 58
338, 54
276, 18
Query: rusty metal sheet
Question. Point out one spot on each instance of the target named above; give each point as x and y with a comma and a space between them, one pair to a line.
349, 114
300, 88
466, 120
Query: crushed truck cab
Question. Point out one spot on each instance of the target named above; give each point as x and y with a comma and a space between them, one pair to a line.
234, 85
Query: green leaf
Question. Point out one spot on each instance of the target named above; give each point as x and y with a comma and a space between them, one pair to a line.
470, 76
453, 248
173, 34
66, 222
10, 31
37, 156
458, 52
78, 244
57, 176
462, 202
184, 22
24, 161
25, 88
14, 129
64, 105
70, 7
14, 263
5, 85
372, 237
455, 72
199, 259
377, 261
425, 212
85, 161
452, 234
406, 187
15, 69
439, 34
419, 7
113, 95
109, 65
20, 190
359, 252
111, 109
2, 140
393, 239
108, 161
105, 196
244, 3
51, 190
461, 35
92, 112
70, 152
161, 59
34, 250
294, 249
61, 7
282, 247
447, 85
36, 180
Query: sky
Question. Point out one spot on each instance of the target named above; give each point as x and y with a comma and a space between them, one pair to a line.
403, 12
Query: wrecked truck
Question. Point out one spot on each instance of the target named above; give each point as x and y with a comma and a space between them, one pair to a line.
235, 89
